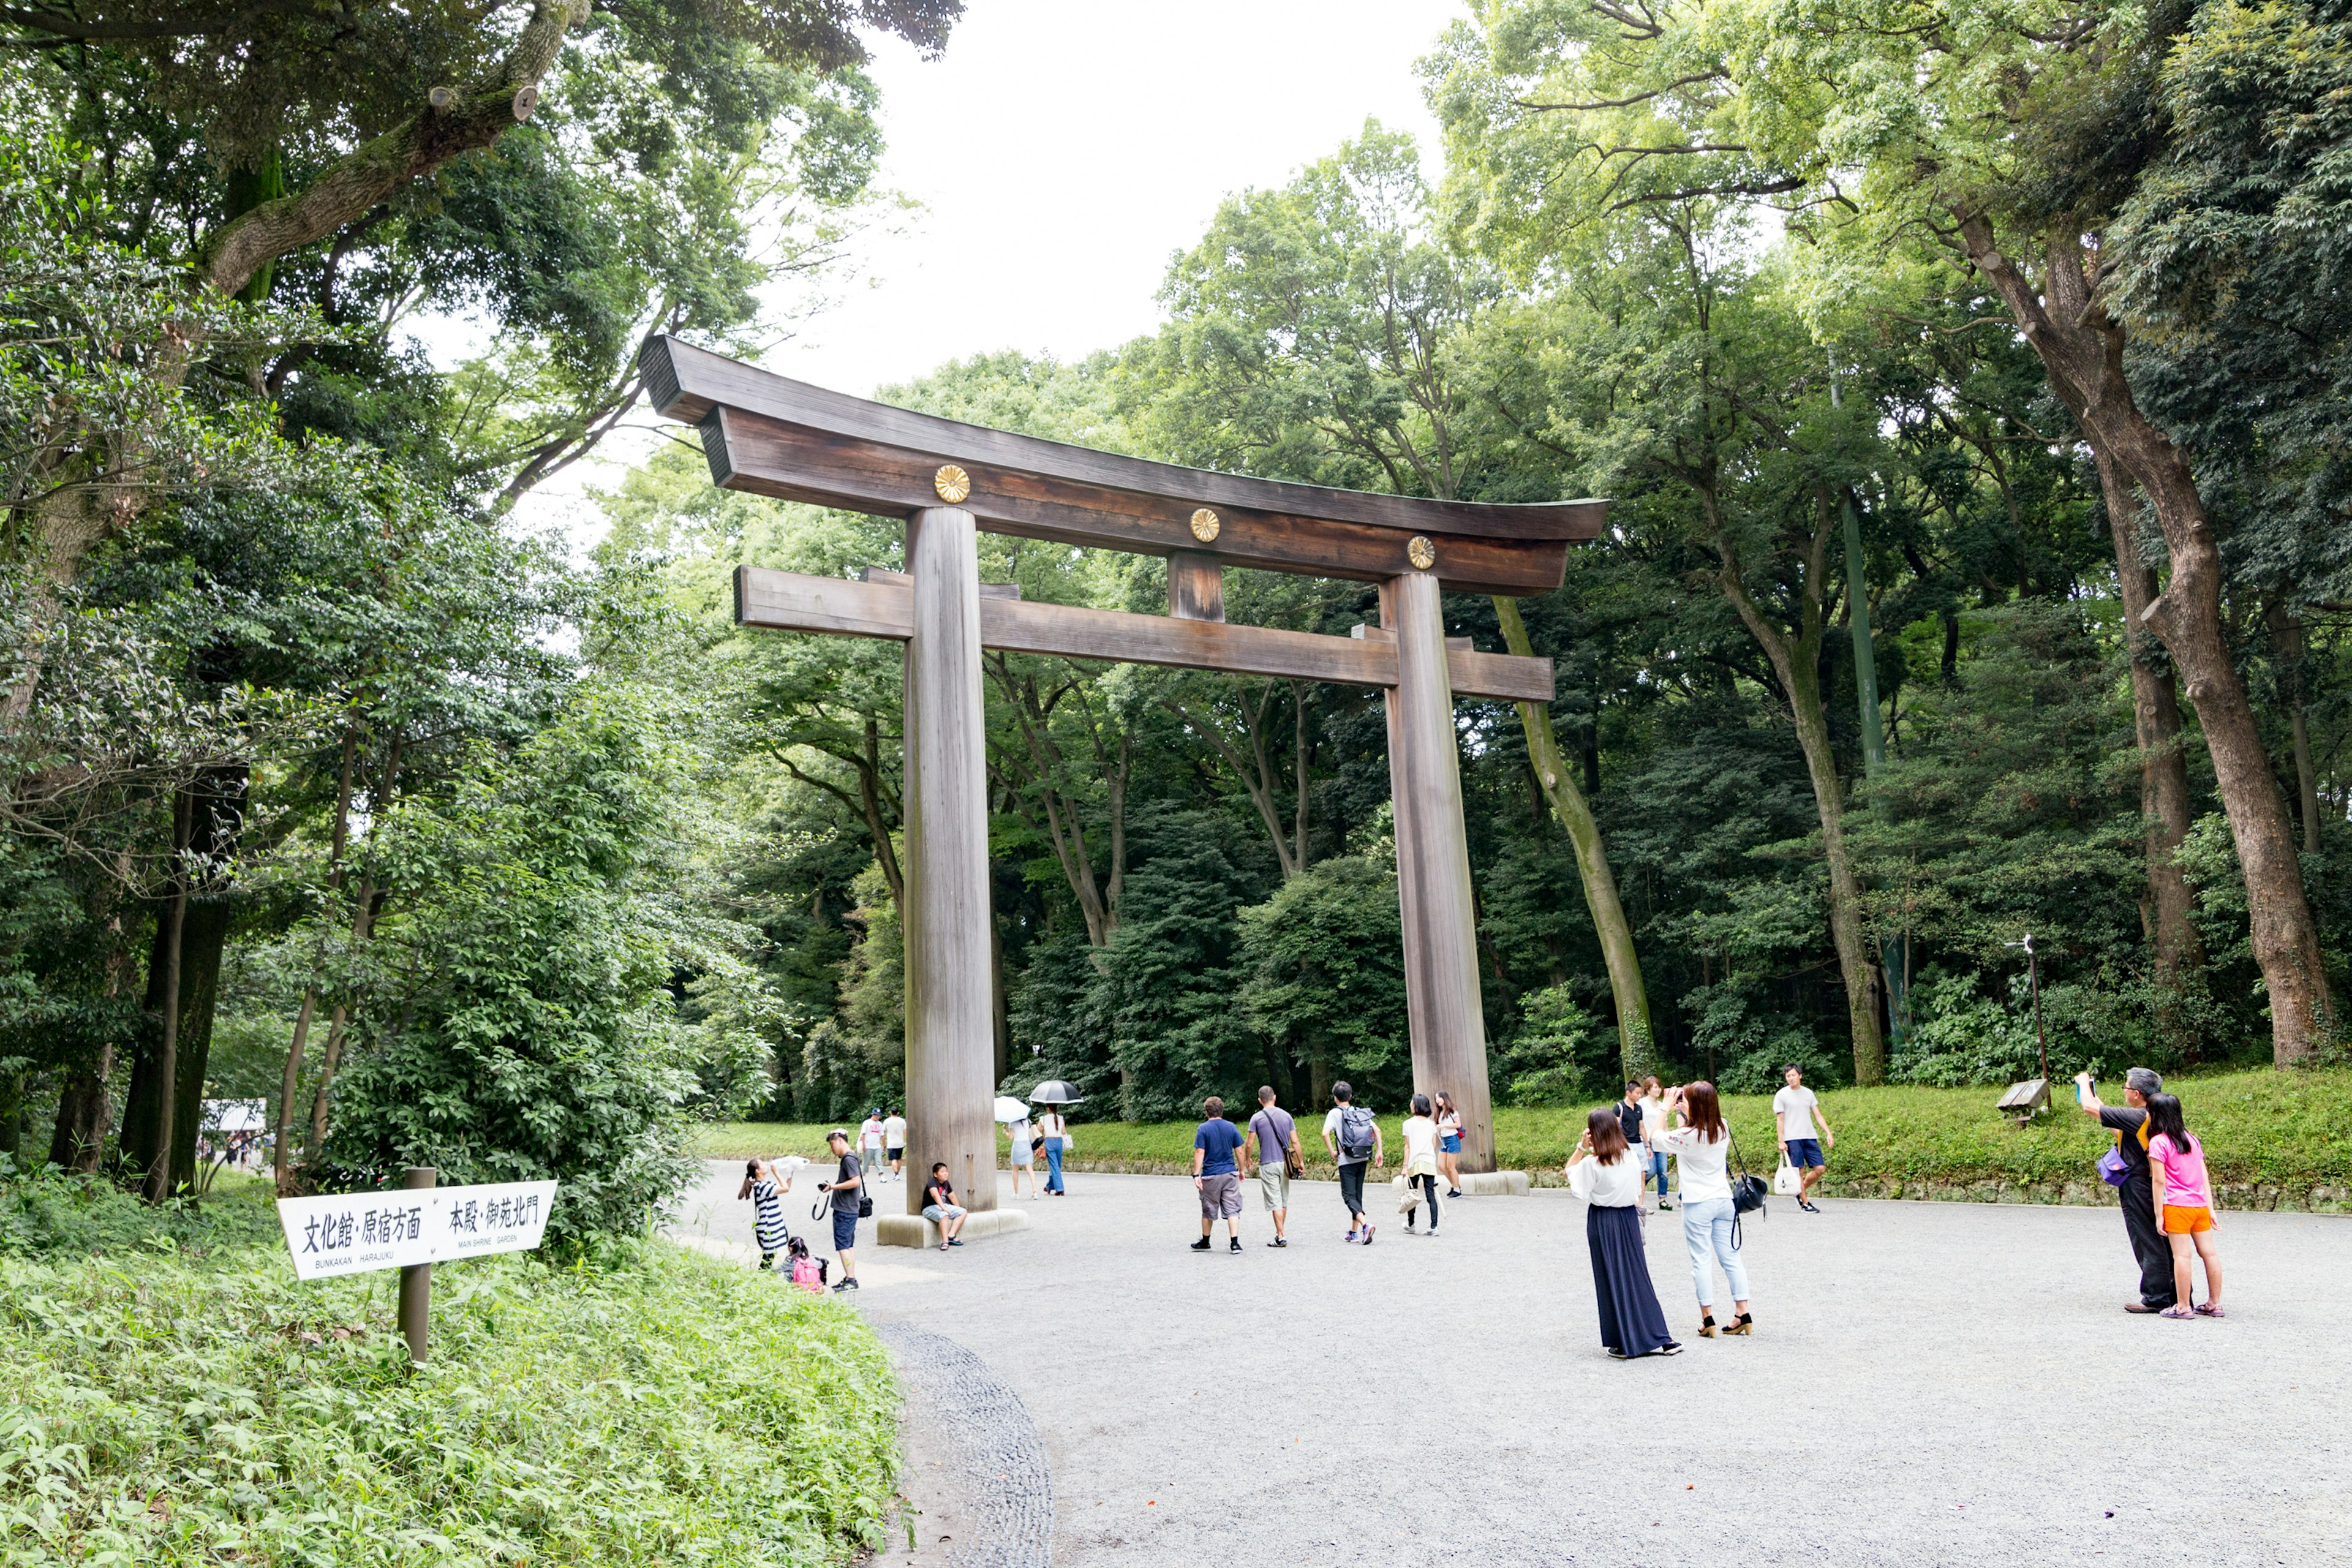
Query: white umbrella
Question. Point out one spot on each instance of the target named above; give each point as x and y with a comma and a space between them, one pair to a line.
1011, 1110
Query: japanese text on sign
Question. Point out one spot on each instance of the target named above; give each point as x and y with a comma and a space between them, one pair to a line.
350, 1233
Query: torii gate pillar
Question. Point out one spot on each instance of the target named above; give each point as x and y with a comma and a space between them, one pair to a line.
951, 1037
1442, 1005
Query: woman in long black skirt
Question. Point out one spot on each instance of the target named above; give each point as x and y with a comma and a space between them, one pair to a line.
1609, 1179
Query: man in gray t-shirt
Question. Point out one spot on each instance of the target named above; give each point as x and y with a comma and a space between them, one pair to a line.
1795, 1110
1275, 1135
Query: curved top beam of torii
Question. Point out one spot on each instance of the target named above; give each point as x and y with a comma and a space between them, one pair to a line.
774, 435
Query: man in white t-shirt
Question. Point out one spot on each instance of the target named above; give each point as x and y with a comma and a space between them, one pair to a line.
894, 1144
870, 1144
1795, 1110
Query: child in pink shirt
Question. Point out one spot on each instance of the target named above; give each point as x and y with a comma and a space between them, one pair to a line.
2184, 1204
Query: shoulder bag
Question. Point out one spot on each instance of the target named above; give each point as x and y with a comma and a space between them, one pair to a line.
1292, 1165
1747, 1194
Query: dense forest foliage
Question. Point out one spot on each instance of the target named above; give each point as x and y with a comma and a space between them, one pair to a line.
1968, 383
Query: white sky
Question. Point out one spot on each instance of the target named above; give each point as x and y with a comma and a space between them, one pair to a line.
1062, 152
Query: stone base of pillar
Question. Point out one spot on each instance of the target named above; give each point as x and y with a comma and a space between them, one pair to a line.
1495, 1183
914, 1230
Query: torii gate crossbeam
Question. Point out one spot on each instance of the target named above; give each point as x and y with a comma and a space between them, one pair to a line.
770, 436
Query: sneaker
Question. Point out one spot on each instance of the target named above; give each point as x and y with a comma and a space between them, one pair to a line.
1454, 1192
1664, 1206
1616, 1354
1408, 1227
1202, 1244
1368, 1235
1277, 1241
1236, 1244
1349, 1237
839, 1286
1806, 1207
1672, 1347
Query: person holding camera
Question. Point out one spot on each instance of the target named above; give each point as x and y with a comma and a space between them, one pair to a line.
1701, 1148
847, 1186
1606, 1174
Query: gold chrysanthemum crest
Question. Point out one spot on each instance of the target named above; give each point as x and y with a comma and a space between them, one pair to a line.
952, 483
1421, 552
1205, 524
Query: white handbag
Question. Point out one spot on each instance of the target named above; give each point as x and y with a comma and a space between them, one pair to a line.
1788, 1181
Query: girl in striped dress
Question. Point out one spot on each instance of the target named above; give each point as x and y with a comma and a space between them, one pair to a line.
767, 1195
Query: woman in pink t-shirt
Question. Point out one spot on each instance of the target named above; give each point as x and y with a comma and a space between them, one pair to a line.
2184, 1204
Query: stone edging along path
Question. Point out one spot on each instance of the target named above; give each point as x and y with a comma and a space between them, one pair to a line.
2086, 1194
1003, 1486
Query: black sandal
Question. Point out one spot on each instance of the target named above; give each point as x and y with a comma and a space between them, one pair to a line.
1746, 1324
1706, 1326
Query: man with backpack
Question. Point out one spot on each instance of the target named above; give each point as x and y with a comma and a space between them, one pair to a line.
1353, 1136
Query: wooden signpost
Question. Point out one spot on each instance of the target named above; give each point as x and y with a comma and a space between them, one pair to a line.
772, 436
411, 1229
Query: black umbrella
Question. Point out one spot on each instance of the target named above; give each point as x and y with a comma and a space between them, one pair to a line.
1057, 1092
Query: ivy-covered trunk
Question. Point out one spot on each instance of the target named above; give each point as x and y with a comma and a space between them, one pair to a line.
2156, 718
2081, 346
1567, 803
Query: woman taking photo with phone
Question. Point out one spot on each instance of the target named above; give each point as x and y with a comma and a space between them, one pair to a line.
1605, 1174
1700, 1148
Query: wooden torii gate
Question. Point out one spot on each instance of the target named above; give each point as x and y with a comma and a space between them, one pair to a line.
772, 436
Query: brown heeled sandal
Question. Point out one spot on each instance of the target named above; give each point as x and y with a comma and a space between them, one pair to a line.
1744, 1325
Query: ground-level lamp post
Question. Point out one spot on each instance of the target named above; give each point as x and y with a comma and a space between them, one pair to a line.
2024, 1098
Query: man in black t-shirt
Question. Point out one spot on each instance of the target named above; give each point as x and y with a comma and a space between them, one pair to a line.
2148, 1244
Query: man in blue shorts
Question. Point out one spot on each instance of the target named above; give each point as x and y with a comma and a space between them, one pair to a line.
1794, 1110
1217, 1177
848, 1186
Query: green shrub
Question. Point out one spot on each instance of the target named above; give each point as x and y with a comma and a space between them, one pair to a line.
166, 1410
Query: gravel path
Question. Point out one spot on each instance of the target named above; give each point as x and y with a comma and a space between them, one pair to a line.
1928, 1384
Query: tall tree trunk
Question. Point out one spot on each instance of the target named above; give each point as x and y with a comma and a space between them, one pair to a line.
167, 1058
1798, 664
1894, 952
291, 1082
363, 923
1000, 1015
204, 942
2081, 347
2156, 718
2286, 644
1636, 1045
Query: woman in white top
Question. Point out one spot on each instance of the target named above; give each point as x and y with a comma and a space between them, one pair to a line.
1420, 1159
1607, 1175
1700, 1148
1449, 1143
1024, 1154
1055, 1131
1654, 1121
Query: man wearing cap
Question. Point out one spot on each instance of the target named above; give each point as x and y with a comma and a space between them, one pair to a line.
848, 1186
2129, 1121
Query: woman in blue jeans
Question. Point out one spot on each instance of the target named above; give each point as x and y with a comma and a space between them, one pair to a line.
1052, 1129
1700, 1146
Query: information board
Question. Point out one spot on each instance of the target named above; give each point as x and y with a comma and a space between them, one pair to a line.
352, 1233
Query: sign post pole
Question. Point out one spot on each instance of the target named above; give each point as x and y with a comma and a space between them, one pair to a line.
416, 1280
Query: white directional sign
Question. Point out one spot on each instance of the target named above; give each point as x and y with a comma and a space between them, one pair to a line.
351, 1233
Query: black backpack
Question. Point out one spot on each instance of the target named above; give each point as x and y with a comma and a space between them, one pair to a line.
1356, 1130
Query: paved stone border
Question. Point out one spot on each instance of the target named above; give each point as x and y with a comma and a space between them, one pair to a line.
914, 1230
1003, 1482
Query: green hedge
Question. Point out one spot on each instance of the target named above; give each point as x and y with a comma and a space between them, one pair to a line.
2266, 1132
179, 1404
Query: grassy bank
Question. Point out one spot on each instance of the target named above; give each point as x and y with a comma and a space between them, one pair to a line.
175, 1397
2271, 1138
